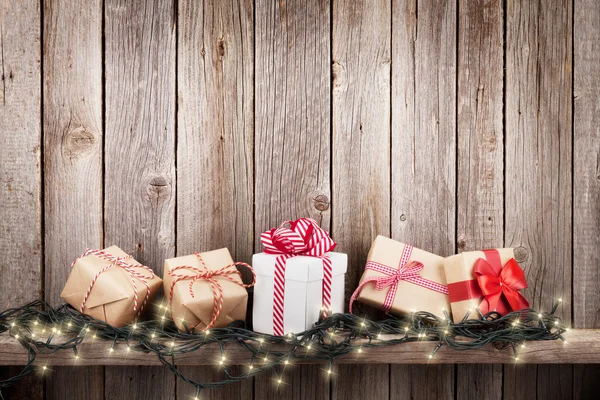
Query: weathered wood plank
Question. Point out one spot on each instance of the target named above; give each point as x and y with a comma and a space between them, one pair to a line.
215, 183
292, 151
480, 152
583, 347
423, 382
586, 181
140, 154
72, 160
423, 146
20, 170
538, 202
361, 54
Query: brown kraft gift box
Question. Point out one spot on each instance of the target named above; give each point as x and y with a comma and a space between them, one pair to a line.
112, 297
409, 296
461, 277
196, 312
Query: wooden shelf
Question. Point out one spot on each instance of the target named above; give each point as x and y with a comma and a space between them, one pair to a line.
582, 347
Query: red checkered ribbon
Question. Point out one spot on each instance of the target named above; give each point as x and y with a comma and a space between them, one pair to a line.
406, 271
302, 237
129, 268
210, 276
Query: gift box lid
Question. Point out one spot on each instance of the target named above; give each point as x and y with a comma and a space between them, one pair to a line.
300, 268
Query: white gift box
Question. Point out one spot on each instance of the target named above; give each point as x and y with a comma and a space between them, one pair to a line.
303, 297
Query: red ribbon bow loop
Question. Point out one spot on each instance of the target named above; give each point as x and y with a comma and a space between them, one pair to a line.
496, 281
303, 237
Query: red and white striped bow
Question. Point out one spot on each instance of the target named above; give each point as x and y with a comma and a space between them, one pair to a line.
406, 271
210, 276
129, 268
303, 237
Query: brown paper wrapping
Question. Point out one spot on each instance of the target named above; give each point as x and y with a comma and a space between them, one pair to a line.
112, 297
197, 311
459, 268
409, 296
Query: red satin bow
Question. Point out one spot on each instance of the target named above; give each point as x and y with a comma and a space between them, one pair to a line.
497, 282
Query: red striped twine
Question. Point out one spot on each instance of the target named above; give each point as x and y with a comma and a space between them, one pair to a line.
304, 237
210, 276
129, 268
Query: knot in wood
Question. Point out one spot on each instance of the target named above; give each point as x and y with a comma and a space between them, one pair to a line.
321, 202
78, 141
521, 254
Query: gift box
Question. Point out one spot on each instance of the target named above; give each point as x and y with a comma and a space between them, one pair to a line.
111, 286
298, 278
205, 290
400, 278
303, 295
488, 280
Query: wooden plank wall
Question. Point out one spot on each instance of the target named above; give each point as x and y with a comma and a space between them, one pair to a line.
172, 126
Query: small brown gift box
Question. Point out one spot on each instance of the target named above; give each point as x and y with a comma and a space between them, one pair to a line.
195, 312
465, 294
112, 297
409, 296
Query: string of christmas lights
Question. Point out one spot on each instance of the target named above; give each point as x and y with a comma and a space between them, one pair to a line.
41, 329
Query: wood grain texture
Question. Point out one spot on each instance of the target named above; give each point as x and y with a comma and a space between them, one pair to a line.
480, 152
361, 51
215, 151
140, 154
586, 181
72, 160
20, 169
423, 382
538, 201
292, 92
292, 150
423, 148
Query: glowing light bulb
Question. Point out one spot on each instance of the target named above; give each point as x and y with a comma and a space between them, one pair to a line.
540, 316
207, 332
406, 329
362, 324
44, 368
134, 327
250, 366
266, 359
329, 371
309, 346
17, 336
446, 332
360, 350
172, 344
286, 362
560, 300
279, 381
77, 357
379, 336
12, 324
430, 356
35, 323
153, 336
69, 324
111, 350
261, 340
